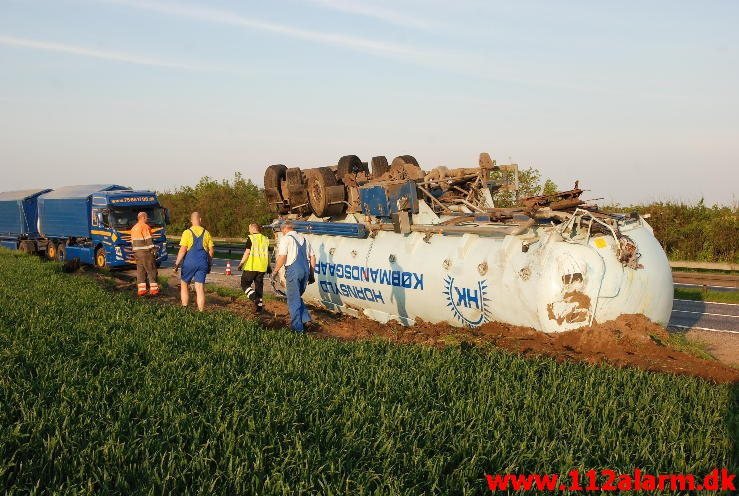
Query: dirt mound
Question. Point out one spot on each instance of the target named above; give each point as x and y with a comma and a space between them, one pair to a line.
629, 341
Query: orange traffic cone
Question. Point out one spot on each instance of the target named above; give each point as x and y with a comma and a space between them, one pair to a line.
228, 267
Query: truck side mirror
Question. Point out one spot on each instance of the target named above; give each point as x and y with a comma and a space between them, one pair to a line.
166, 217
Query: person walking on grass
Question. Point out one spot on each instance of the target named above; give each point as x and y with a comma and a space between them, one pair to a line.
144, 253
294, 252
195, 258
254, 265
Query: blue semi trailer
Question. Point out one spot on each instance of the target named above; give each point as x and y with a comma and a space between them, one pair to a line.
91, 223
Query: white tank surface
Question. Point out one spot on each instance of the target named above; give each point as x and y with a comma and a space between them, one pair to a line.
553, 270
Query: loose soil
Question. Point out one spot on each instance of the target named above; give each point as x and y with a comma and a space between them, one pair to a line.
629, 341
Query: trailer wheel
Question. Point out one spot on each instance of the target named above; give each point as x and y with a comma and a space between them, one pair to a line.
350, 164
61, 252
100, 261
273, 176
51, 251
297, 194
379, 166
325, 193
409, 159
28, 247
408, 166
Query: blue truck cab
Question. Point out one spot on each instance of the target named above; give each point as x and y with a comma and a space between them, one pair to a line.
91, 223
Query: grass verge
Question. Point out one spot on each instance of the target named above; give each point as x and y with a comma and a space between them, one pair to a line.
707, 296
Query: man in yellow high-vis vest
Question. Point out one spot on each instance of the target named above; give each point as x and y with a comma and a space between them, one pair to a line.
254, 265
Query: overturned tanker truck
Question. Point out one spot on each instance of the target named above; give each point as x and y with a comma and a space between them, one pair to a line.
398, 243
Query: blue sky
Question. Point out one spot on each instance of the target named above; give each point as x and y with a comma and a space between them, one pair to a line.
637, 100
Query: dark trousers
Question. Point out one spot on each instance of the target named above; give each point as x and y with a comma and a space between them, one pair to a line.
249, 277
146, 267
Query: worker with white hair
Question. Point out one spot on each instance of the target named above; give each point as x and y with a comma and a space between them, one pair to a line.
294, 252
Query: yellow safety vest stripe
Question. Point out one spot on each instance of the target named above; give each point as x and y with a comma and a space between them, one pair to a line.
258, 254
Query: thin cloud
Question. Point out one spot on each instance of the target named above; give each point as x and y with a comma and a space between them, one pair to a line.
466, 63
93, 52
225, 17
374, 11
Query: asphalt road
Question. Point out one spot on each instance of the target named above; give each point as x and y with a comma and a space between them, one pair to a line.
689, 314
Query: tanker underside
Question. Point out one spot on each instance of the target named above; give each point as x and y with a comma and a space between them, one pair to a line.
403, 244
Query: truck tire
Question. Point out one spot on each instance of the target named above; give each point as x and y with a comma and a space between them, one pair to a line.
100, 261
379, 166
350, 164
28, 247
51, 251
409, 159
408, 166
324, 192
297, 193
273, 177
61, 252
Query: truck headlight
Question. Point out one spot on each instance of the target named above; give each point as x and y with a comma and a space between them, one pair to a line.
118, 252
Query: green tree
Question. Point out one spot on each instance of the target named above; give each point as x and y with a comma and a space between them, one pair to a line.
549, 187
692, 231
529, 184
227, 207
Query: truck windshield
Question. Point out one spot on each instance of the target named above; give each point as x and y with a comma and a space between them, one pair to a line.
126, 218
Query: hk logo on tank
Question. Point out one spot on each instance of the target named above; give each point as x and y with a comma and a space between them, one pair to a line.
469, 305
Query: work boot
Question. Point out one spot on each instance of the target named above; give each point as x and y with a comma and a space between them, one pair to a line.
141, 289
154, 289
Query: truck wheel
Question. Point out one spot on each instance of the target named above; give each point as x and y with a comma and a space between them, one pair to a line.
28, 247
324, 192
61, 252
350, 164
297, 194
379, 166
408, 165
100, 261
273, 177
409, 159
51, 251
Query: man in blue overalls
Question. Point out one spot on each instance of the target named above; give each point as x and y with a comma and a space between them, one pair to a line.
195, 258
295, 253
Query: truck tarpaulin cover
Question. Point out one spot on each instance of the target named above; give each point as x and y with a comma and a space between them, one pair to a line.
18, 212
65, 212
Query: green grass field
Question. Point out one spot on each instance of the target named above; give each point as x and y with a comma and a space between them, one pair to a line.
104, 394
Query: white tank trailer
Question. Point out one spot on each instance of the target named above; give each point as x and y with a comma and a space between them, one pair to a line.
400, 244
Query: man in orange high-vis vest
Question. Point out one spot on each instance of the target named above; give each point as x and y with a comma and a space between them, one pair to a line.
144, 253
